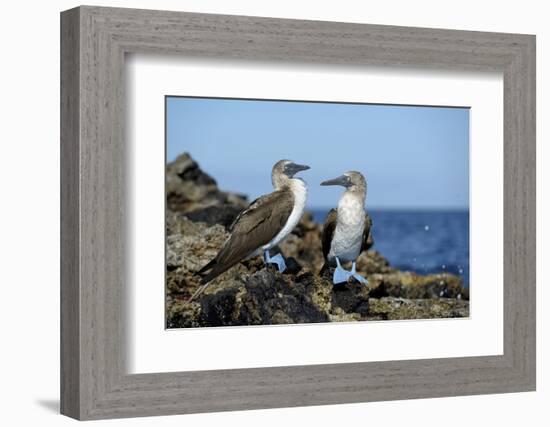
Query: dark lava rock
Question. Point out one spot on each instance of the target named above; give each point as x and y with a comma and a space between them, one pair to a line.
183, 315
351, 297
224, 214
292, 266
391, 308
189, 188
220, 309
270, 299
190, 171
267, 298
414, 286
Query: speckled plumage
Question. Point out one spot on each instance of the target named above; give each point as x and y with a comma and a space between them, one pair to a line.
347, 239
347, 229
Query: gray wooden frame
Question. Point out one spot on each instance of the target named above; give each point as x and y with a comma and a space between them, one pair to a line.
94, 41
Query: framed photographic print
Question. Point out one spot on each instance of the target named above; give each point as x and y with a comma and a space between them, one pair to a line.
282, 213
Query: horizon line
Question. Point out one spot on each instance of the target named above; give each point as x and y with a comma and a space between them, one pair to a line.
399, 208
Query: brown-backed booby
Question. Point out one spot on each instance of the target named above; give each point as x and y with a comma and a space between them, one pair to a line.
264, 224
347, 229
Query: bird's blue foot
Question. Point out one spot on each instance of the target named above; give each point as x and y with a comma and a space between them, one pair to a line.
340, 275
276, 259
358, 277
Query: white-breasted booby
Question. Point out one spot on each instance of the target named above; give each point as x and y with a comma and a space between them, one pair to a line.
346, 232
264, 224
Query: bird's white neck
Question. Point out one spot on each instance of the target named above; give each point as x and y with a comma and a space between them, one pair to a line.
299, 191
351, 201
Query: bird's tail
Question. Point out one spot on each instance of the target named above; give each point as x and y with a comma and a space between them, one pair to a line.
198, 292
206, 267
215, 270
204, 280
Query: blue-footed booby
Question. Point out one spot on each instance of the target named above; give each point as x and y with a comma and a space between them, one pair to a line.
263, 225
347, 229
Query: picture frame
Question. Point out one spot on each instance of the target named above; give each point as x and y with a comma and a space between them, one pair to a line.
94, 381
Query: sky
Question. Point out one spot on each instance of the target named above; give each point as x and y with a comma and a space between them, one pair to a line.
413, 157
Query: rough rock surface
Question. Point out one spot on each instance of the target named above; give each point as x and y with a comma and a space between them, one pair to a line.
197, 218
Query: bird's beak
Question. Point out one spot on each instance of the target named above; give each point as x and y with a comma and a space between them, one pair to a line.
294, 168
341, 180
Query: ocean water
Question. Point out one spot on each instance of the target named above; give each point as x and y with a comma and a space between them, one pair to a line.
421, 241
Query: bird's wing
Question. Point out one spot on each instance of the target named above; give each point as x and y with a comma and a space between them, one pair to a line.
256, 226
368, 240
328, 231
252, 205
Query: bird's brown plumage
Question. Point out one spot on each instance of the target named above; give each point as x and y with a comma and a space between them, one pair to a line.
328, 231
253, 228
368, 240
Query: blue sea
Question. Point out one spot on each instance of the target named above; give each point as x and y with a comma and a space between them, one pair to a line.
422, 241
